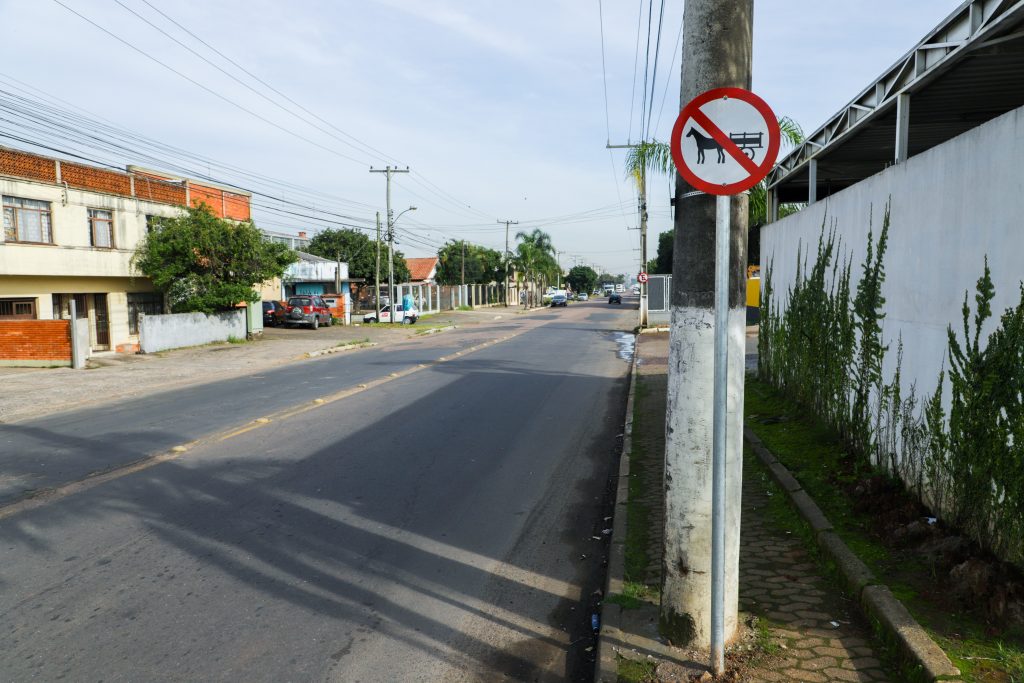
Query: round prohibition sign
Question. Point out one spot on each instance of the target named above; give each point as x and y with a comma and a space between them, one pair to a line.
730, 128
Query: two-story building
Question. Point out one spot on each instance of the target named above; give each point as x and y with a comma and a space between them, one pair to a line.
70, 231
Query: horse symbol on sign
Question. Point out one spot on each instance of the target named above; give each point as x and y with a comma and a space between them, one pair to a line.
747, 142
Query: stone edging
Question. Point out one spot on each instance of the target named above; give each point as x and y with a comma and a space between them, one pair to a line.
338, 349
434, 330
924, 657
607, 666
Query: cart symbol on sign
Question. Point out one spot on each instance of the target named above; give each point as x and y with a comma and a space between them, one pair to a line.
747, 142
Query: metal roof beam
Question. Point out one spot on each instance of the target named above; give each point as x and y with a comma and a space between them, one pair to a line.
975, 24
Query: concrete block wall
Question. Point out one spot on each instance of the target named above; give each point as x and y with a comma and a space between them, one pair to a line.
35, 342
178, 330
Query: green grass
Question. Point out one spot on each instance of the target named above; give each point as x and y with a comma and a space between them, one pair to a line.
632, 671
817, 458
638, 513
634, 595
353, 342
236, 340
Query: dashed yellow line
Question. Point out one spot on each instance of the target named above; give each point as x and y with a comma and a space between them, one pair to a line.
45, 496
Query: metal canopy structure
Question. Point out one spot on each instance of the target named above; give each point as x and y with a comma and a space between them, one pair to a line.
966, 71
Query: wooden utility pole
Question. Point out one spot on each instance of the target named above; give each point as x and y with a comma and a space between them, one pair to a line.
716, 53
641, 191
389, 171
376, 275
507, 255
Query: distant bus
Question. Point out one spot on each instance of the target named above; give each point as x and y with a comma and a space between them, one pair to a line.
620, 287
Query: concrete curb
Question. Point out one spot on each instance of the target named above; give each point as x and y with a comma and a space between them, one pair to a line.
338, 349
434, 330
607, 669
924, 659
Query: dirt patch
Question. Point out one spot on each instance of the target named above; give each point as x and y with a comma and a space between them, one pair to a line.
963, 577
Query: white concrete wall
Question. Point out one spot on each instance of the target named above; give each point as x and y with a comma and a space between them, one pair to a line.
177, 330
951, 207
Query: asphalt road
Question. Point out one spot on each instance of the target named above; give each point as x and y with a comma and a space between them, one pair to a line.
439, 526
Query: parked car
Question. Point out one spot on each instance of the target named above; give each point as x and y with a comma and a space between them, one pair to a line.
582, 296
559, 299
405, 317
615, 298
309, 310
274, 313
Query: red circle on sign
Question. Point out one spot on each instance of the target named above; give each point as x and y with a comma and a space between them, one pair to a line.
642, 277
762, 169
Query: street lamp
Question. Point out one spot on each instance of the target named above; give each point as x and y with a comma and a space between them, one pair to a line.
391, 261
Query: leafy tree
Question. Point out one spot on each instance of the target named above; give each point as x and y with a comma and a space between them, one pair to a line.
483, 265
608, 278
582, 278
662, 263
205, 264
355, 248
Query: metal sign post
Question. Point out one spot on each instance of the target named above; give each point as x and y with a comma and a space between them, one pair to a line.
729, 128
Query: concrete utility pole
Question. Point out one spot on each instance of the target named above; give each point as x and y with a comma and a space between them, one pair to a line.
642, 199
717, 42
376, 275
507, 255
388, 171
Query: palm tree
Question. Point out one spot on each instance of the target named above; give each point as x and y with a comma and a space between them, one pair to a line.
534, 255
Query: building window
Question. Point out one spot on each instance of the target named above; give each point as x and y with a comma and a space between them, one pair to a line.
146, 302
27, 220
17, 309
62, 306
101, 226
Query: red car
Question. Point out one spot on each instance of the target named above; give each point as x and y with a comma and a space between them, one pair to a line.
307, 309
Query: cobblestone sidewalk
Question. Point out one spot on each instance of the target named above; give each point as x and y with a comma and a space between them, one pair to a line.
819, 633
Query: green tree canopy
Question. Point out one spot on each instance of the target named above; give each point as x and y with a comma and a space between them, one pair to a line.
355, 248
662, 263
582, 278
535, 256
205, 264
608, 278
483, 265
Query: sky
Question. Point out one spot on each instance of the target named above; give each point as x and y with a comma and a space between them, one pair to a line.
498, 109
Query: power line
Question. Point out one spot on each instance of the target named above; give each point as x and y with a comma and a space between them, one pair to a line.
262, 82
211, 90
604, 72
647, 60
654, 75
668, 79
636, 59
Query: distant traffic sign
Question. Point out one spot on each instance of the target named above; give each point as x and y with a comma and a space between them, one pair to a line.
642, 277
725, 141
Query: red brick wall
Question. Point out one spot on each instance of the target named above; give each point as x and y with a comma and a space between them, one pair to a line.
156, 190
35, 340
152, 187
90, 178
27, 166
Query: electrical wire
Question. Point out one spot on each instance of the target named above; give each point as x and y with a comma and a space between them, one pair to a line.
654, 74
